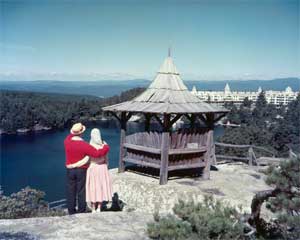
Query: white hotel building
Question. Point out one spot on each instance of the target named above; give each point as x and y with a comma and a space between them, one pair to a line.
274, 97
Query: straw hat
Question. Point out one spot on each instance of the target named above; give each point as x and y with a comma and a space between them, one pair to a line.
77, 129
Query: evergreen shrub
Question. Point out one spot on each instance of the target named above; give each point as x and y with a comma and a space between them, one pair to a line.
210, 219
286, 204
26, 203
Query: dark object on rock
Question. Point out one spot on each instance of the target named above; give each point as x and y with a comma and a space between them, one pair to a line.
117, 204
17, 236
213, 168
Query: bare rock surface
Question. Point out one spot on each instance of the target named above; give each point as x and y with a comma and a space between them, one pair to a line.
233, 183
236, 184
104, 225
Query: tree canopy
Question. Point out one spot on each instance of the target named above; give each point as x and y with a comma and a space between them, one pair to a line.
26, 109
276, 128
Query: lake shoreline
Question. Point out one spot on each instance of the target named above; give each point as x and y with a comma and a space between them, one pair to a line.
24, 131
39, 128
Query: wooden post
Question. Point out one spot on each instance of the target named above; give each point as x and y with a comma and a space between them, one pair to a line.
164, 160
213, 160
210, 157
147, 122
251, 156
210, 120
207, 156
192, 120
122, 141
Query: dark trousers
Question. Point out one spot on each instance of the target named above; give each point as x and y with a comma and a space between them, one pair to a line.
76, 189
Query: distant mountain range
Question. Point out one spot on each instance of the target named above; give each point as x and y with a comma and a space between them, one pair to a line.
108, 88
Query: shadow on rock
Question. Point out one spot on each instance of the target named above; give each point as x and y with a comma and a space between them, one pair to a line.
17, 236
175, 174
115, 206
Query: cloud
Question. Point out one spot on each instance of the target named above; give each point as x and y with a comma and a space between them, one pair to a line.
16, 47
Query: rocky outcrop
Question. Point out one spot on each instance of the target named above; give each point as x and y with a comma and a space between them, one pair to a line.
104, 225
142, 195
236, 184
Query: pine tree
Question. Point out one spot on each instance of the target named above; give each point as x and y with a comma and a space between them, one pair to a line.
286, 204
283, 200
261, 102
247, 103
260, 110
286, 135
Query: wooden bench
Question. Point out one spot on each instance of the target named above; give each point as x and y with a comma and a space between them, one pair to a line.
187, 149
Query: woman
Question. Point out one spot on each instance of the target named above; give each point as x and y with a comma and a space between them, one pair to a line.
98, 182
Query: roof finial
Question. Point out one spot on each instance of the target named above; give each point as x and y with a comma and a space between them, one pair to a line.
169, 52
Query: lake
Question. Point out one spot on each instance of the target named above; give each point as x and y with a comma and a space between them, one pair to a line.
37, 160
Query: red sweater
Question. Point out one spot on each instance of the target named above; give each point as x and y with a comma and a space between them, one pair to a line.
77, 150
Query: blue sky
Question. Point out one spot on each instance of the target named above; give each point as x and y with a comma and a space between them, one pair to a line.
88, 40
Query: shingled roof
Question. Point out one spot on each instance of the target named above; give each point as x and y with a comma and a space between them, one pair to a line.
166, 94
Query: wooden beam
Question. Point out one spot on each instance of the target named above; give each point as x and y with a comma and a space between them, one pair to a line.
191, 118
264, 149
164, 162
187, 150
188, 116
148, 117
219, 117
141, 163
128, 116
208, 119
231, 145
116, 116
202, 118
269, 161
175, 119
142, 148
242, 159
158, 120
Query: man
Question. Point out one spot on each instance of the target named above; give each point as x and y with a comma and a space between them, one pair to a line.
76, 149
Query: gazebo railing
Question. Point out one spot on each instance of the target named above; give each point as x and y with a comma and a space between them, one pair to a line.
186, 149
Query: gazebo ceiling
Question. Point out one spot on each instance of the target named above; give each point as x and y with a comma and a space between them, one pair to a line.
166, 94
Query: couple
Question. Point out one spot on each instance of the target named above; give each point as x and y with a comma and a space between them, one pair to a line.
88, 178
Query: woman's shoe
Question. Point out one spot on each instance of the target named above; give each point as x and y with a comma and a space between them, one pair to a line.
98, 210
94, 211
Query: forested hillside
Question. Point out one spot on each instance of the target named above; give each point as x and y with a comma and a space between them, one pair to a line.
263, 125
278, 129
26, 109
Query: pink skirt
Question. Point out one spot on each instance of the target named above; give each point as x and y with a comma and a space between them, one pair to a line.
98, 183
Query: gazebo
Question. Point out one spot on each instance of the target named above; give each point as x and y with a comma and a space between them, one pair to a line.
166, 100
